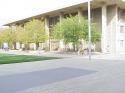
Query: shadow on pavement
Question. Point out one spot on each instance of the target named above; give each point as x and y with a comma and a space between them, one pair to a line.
19, 82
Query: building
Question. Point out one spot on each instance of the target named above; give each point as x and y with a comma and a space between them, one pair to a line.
109, 16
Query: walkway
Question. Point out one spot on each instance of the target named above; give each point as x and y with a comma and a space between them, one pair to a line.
70, 75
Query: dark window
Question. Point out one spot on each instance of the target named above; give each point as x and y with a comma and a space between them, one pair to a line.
122, 28
121, 43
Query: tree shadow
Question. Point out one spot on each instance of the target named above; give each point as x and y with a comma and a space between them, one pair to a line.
19, 82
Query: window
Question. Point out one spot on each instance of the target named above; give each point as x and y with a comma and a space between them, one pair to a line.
53, 21
122, 28
121, 43
66, 15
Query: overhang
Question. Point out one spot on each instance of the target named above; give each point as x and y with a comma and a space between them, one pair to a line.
70, 8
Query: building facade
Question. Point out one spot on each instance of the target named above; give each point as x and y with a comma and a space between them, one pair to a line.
109, 15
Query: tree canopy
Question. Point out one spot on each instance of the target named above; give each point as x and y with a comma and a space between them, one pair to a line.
73, 29
7, 35
33, 31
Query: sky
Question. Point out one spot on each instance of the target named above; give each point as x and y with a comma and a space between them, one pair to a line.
12, 10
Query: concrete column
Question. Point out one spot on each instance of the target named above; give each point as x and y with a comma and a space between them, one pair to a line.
112, 28
61, 43
61, 16
116, 30
13, 29
80, 14
18, 45
47, 31
104, 29
47, 25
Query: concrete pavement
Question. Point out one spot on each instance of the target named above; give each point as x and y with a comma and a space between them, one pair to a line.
70, 75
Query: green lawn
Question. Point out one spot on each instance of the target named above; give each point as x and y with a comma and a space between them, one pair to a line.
10, 58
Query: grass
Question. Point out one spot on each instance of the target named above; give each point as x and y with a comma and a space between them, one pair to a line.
10, 58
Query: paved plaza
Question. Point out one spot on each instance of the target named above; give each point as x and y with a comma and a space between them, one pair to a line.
69, 75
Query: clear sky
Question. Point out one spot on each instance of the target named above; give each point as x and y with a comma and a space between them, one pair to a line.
11, 10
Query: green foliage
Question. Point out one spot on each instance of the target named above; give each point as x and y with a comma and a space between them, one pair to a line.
35, 31
95, 35
7, 35
20, 34
73, 29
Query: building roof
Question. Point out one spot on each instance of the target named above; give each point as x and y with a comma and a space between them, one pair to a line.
76, 5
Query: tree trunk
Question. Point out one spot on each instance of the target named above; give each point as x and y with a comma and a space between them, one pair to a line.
0, 46
74, 47
77, 47
37, 45
14, 45
20, 45
26, 46
10, 45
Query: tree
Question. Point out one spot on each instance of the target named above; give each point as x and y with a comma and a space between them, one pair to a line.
32, 31
1, 39
8, 36
73, 29
35, 31
19, 33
